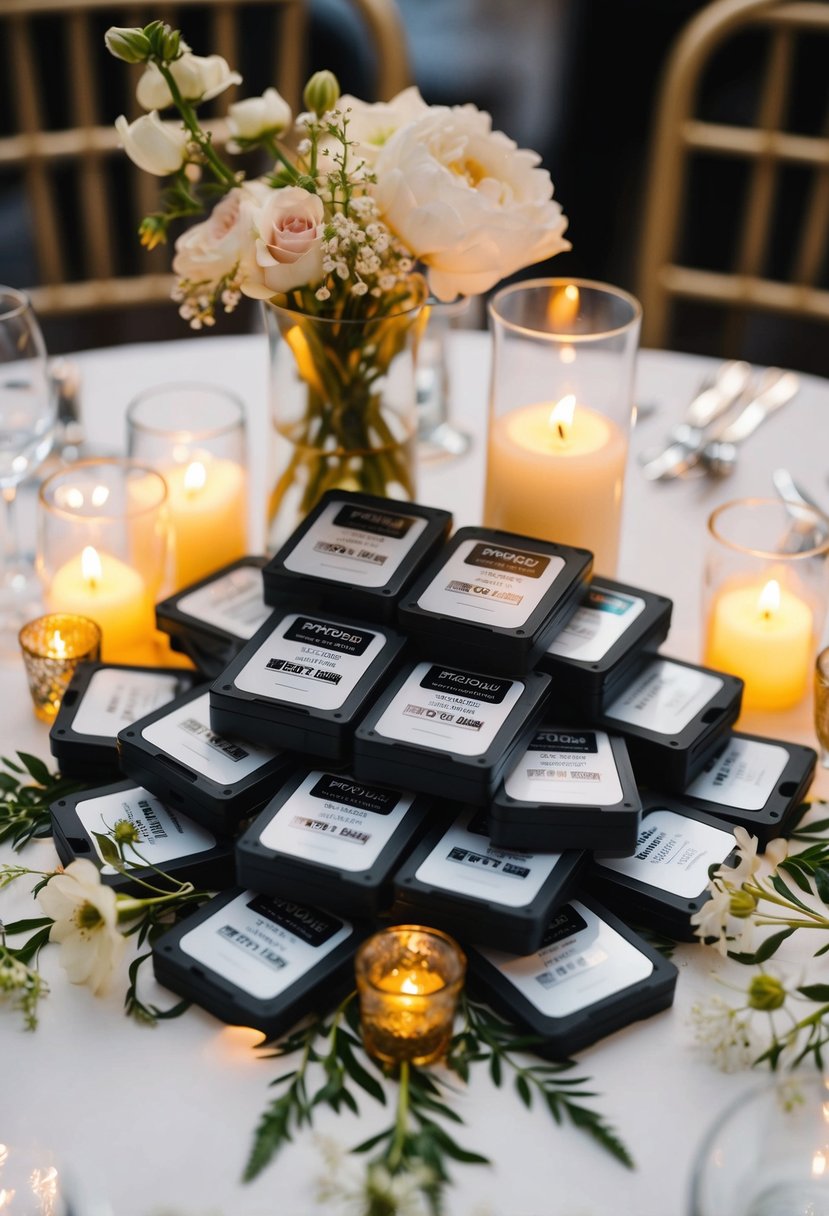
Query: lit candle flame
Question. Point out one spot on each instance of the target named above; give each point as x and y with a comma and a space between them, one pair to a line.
91, 566
99, 496
563, 307
195, 476
561, 416
73, 498
57, 645
410, 986
818, 1164
769, 601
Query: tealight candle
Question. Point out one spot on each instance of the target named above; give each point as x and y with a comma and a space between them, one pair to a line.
52, 648
408, 979
557, 471
101, 586
208, 512
763, 634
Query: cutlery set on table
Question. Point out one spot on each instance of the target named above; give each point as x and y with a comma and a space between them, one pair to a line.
727, 410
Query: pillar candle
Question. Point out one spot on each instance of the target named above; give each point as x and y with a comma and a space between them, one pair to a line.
556, 479
763, 634
208, 514
114, 595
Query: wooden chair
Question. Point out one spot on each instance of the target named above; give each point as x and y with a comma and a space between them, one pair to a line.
718, 262
59, 153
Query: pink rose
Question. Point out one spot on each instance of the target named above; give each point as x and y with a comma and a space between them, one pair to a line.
223, 243
289, 243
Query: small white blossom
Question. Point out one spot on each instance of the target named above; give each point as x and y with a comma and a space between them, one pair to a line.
725, 1033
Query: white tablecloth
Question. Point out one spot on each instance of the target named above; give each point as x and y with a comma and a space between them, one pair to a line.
162, 1119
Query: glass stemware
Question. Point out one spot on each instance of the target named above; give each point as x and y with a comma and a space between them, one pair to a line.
27, 422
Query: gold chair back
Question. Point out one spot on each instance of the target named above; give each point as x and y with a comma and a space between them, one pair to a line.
59, 149
768, 268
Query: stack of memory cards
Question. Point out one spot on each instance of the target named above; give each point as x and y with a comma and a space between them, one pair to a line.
473, 732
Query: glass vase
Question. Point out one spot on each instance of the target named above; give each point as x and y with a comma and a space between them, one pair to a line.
344, 407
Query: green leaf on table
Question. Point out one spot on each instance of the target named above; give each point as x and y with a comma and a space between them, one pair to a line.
815, 992
764, 951
108, 850
24, 804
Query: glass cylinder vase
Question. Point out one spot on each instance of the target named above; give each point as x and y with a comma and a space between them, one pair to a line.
561, 400
344, 407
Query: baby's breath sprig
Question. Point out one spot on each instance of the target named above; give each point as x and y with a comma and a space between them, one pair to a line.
22, 986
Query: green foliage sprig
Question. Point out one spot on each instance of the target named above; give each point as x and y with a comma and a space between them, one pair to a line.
332, 1065
27, 790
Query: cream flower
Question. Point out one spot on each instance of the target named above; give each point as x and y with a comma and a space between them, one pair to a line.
466, 200
223, 243
155, 146
86, 924
371, 125
748, 863
256, 116
199, 78
289, 243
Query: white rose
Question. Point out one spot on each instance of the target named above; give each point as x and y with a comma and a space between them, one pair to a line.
256, 116
86, 924
371, 125
466, 201
198, 79
289, 243
155, 146
213, 249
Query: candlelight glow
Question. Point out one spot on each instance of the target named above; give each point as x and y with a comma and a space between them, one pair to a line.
410, 986
561, 415
769, 602
91, 566
563, 307
99, 496
57, 645
73, 498
818, 1164
195, 476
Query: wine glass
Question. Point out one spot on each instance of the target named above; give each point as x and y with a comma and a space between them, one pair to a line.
27, 422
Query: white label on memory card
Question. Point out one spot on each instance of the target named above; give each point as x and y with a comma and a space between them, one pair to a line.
165, 834
351, 543
582, 961
665, 697
743, 774
487, 583
456, 711
233, 603
566, 766
263, 945
186, 735
465, 863
115, 699
336, 820
310, 661
597, 624
673, 853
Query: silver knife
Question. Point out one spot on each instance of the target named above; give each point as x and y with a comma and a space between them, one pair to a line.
716, 396
719, 452
806, 529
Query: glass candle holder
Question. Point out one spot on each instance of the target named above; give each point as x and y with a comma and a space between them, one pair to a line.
764, 597
768, 1153
103, 550
52, 647
194, 435
409, 979
561, 402
822, 705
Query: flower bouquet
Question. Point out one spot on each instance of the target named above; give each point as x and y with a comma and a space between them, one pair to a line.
365, 210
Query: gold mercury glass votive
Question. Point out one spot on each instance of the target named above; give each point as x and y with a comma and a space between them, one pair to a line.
409, 979
52, 647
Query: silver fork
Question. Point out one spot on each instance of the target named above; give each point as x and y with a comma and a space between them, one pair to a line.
716, 396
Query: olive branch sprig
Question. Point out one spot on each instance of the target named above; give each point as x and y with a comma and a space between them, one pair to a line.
331, 1065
